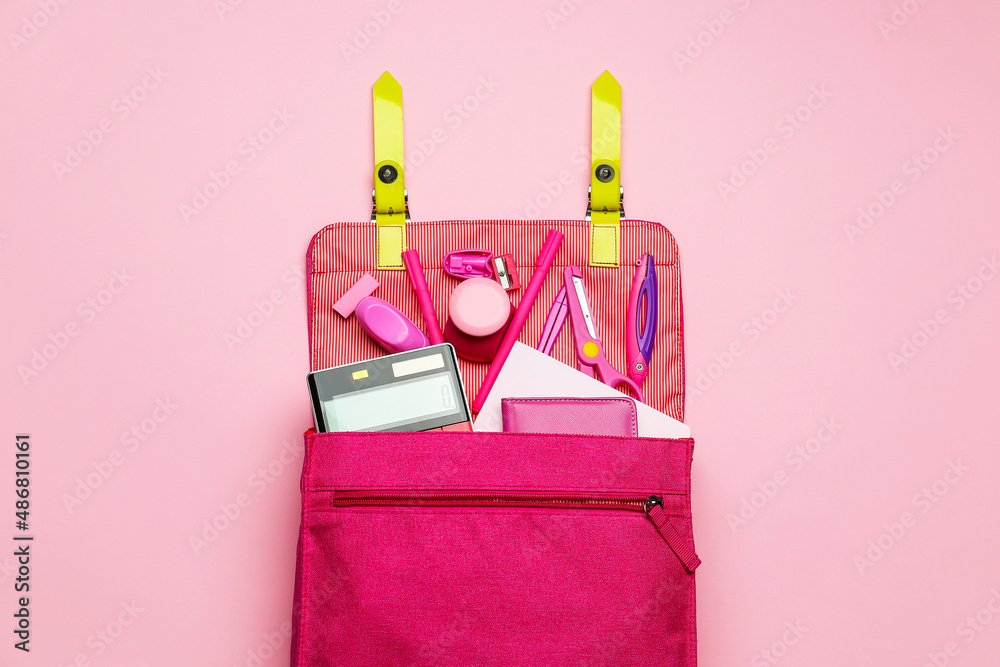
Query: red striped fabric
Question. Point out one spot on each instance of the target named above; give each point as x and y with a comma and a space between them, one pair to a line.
340, 253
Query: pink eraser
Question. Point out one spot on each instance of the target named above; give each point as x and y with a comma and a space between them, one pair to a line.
364, 287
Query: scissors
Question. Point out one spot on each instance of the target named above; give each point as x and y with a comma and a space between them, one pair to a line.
589, 349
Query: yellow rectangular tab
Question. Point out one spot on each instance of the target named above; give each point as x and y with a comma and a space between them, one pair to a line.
360, 375
604, 234
390, 242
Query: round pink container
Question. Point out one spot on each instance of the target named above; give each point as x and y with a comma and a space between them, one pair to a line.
479, 307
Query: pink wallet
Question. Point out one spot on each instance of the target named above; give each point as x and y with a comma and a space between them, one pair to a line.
571, 416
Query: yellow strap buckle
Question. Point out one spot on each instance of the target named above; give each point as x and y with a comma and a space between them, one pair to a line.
605, 199
390, 207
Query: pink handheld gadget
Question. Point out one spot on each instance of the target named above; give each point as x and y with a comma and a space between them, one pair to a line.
387, 326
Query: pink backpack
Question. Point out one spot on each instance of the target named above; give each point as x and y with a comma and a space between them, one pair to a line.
483, 549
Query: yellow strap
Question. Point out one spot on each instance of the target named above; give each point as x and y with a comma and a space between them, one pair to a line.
389, 210
605, 209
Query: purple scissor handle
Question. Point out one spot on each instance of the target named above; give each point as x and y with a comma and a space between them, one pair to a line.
589, 349
641, 332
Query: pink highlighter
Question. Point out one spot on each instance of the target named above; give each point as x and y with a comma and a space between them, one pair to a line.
419, 284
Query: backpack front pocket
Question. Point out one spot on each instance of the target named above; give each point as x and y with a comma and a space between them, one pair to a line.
416, 566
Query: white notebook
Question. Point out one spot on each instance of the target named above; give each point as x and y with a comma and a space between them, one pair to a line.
528, 373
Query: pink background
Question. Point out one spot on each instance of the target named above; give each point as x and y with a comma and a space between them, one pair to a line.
239, 408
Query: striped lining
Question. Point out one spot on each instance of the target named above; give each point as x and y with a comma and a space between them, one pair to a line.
340, 253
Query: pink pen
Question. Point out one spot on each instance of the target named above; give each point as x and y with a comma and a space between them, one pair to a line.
545, 259
419, 282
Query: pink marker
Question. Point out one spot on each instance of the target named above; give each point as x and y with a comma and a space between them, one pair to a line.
545, 259
419, 283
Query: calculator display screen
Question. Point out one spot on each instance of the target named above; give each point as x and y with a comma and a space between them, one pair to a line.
397, 404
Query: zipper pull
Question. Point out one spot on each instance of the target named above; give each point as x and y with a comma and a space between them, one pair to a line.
654, 510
